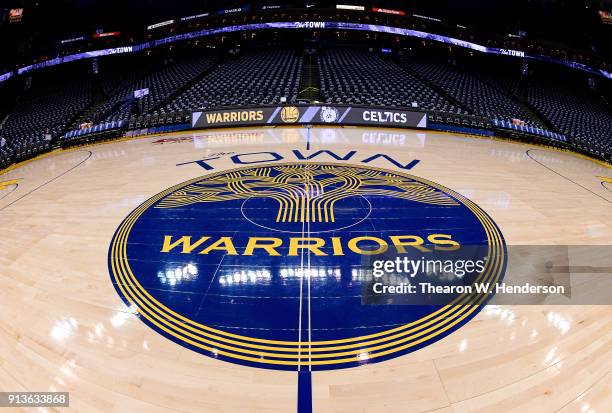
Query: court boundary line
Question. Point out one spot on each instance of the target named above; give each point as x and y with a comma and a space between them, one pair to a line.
564, 177
17, 186
49, 181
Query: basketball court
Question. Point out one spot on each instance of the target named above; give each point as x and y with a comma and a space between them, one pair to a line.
188, 272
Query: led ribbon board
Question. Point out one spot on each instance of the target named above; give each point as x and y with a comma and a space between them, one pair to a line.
310, 25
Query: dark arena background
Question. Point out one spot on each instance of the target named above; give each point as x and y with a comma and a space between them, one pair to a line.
394, 206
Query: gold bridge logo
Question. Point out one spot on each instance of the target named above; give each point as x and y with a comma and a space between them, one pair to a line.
305, 192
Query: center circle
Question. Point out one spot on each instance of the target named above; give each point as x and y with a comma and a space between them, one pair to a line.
220, 264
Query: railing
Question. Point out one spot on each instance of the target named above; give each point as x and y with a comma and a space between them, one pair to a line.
102, 127
529, 130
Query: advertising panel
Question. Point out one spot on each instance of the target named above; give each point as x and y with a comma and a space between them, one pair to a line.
319, 115
349, 7
15, 15
160, 24
389, 11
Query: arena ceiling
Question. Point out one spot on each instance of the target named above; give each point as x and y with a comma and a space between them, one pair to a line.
569, 22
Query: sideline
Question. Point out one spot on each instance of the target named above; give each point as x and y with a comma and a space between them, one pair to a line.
191, 131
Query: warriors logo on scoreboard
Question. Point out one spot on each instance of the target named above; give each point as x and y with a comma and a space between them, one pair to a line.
290, 114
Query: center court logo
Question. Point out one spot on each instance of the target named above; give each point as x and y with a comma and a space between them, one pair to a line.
262, 265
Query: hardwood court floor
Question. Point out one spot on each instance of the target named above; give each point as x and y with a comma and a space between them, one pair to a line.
63, 327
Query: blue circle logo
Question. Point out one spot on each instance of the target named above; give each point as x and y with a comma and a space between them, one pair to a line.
269, 266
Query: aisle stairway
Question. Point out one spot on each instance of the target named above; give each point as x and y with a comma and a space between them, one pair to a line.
310, 80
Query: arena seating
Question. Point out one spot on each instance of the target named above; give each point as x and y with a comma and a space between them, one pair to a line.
510, 85
49, 114
120, 102
477, 96
116, 86
263, 76
5, 156
259, 77
360, 77
575, 113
